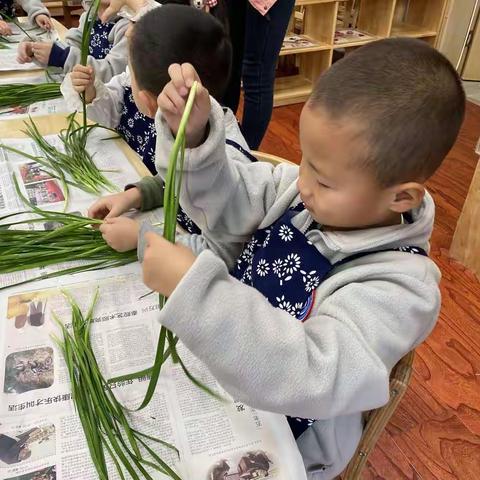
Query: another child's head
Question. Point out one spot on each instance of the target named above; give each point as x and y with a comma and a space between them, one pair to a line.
378, 124
177, 34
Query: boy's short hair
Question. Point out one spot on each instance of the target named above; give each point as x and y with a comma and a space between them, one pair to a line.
180, 34
409, 98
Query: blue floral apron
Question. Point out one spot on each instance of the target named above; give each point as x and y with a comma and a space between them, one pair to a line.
138, 130
7, 8
281, 263
100, 45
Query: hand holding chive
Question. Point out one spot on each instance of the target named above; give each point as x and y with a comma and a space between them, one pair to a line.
120, 233
41, 51
5, 28
172, 101
165, 263
112, 206
43, 21
25, 52
83, 80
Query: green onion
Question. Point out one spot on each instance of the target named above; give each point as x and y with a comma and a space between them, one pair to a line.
104, 422
74, 240
90, 19
171, 198
24, 94
75, 162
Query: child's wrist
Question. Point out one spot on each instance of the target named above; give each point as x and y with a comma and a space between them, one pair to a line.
134, 195
195, 139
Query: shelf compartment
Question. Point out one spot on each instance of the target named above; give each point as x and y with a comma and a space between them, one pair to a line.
311, 45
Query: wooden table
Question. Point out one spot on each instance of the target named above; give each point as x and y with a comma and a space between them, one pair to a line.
466, 240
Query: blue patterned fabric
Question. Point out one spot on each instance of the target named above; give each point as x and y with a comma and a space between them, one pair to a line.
100, 46
281, 263
138, 130
7, 8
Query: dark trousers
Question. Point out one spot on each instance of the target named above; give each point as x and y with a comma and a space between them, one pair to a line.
256, 41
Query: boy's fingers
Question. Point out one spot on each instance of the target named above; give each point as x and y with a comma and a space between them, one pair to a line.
190, 75
176, 74
166, 105
82, 76
174, 96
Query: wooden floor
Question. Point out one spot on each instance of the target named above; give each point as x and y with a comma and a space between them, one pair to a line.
435, 433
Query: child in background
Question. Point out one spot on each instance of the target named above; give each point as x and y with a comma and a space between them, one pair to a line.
107, 48
311, 283
36, 11
169, 34
112, 104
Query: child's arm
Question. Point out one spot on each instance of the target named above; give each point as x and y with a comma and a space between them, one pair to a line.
37, 13
104, 101
364, 319
113, 64
225, 198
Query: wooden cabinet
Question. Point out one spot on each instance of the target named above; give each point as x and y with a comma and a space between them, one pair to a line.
326, 26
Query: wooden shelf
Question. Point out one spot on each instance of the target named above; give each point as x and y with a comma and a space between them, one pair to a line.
320, 19
294, 89
318, 46
414, 31
315, 2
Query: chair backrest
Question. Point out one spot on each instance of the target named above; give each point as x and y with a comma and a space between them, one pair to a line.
377, 419
268, 157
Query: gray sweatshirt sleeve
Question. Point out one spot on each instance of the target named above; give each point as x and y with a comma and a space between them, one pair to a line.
227, 198
113, 64
336, 363
34, 8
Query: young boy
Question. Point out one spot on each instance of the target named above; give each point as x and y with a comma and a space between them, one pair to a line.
36, 11
107, 48
339, 243
112, 104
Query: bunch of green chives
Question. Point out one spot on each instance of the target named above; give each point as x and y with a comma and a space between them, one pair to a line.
102, 417
75, 162
91, 17
74, 239
24, 94
171, 198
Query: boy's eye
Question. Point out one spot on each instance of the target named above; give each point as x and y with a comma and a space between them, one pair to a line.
323, 185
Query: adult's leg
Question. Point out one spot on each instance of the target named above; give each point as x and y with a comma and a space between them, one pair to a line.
235, 10
263, 40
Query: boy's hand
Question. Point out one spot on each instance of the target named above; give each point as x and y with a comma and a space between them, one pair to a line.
5, 28
173, 98
116, 5
43, 21
164, 263
83, 80
120, 233
25, 52
114, 205
41, 51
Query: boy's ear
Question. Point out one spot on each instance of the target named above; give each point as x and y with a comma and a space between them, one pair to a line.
149, 103
407, 196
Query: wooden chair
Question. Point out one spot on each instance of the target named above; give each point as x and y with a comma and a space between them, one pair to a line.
268, 157
376, 420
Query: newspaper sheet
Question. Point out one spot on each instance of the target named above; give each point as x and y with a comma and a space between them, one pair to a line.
41, 437
46, 192
40, 431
